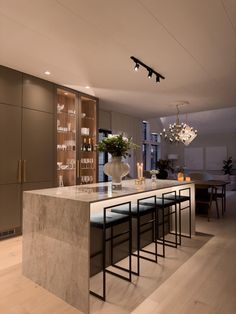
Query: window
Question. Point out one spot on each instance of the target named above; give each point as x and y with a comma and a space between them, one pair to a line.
144, 150
103, 157
154, 137
154, 156
145, 130
150, 147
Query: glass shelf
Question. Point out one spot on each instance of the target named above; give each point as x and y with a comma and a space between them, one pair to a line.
73, 115
66, 151
87, 118
61, 131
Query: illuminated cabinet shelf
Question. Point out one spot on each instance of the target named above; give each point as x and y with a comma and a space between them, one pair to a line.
76, 138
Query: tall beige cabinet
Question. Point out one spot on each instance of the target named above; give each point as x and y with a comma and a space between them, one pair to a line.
10, 151
48, 138
26, 143
38, 129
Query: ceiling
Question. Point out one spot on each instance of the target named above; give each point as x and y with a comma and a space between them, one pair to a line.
89, 43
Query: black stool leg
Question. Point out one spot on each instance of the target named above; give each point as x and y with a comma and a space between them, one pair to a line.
138, 242
155, 233
104, 255
190, 212
163, 228
130, 243
176, 230
180, 224
190, 219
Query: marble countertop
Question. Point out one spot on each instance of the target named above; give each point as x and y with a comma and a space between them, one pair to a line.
102, 191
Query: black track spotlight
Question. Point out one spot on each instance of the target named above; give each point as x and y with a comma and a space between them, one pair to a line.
149, 74
136, 67
139, 63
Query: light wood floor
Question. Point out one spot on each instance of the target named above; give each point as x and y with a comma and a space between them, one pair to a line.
190, 280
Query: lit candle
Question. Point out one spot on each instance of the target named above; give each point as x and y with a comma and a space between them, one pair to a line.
138, 169
180, 176
187, 179
141, 170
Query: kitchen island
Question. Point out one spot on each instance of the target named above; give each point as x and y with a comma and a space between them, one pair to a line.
56, 232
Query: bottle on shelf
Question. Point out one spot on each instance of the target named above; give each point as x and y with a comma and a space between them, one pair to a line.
89, 147
84, 146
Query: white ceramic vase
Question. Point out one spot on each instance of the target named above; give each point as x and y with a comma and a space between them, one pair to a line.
117, 169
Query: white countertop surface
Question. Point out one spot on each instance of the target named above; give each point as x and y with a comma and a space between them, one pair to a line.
102, 191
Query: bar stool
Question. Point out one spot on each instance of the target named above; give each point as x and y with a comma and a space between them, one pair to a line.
137, 211
180, 198
107, 221
161, 204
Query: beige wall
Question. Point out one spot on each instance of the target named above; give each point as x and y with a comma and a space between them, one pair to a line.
130, 126
104, 119
206, 140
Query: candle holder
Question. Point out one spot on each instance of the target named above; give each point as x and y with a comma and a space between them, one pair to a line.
139, 181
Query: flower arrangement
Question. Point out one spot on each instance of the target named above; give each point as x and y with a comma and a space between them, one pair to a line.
117, 145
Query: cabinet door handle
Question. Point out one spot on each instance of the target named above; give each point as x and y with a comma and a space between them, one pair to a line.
24, 170
19, 171
78, 169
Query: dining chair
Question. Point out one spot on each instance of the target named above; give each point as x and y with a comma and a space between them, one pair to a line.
205, 196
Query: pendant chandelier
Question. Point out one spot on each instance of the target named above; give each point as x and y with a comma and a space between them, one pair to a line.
179, 132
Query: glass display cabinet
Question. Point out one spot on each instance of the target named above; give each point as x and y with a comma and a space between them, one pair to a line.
88, 137
76, 138
66, 138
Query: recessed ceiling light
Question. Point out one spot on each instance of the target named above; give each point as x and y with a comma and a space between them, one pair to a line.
87, 87
47, 72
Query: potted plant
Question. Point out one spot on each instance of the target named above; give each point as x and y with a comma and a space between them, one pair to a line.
118, 146
163, 165
228, 170
228, 166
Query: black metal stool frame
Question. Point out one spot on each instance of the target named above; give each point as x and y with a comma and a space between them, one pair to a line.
104, 240
165, 242
179, 202
189, 207
153, 221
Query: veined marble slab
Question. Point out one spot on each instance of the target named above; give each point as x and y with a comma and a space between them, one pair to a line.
102, 191
56, 247
56, 232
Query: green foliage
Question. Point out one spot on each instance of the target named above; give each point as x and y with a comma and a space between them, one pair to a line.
228, 166
164, 164
116, 145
